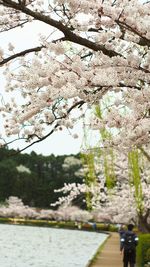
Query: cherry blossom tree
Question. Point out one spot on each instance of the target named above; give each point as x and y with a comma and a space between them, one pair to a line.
94, 48
14, 208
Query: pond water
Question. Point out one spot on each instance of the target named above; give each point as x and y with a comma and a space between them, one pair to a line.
25, 246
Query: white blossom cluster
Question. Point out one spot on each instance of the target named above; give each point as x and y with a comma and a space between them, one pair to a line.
22, 168
72, 213
16, 209
117, 206
130, 116
103, 46
72, 190
70, 162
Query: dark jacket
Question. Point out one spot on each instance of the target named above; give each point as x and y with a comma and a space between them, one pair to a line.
124, 245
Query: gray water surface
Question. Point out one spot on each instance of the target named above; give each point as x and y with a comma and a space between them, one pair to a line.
25, 246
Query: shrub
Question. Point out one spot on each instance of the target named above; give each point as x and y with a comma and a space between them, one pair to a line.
147, 256
143, 250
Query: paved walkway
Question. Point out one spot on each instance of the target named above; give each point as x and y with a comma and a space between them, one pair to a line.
110, 255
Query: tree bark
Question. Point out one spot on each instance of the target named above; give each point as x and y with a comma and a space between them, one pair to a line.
143, 224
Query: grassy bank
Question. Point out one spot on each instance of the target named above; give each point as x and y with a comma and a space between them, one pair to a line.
61, 224
143, 250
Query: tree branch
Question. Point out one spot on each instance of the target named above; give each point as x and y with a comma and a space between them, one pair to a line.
70, 36
144, 153
13, 27
78, 104
27, 51
20, 54
143, 40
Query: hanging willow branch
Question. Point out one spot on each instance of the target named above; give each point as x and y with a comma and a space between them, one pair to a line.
134, 169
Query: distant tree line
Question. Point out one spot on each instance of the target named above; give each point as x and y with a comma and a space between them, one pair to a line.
33, 177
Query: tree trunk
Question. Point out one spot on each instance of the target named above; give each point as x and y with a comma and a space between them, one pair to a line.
143, 225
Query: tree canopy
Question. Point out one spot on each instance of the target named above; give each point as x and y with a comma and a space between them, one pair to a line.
94, 48
33, 178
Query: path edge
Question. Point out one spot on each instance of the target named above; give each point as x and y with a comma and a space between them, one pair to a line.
98, 251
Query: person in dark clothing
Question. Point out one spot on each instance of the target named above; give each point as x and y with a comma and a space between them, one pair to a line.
129, 241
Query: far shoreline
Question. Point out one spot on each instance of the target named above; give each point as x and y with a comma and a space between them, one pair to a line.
72, 225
